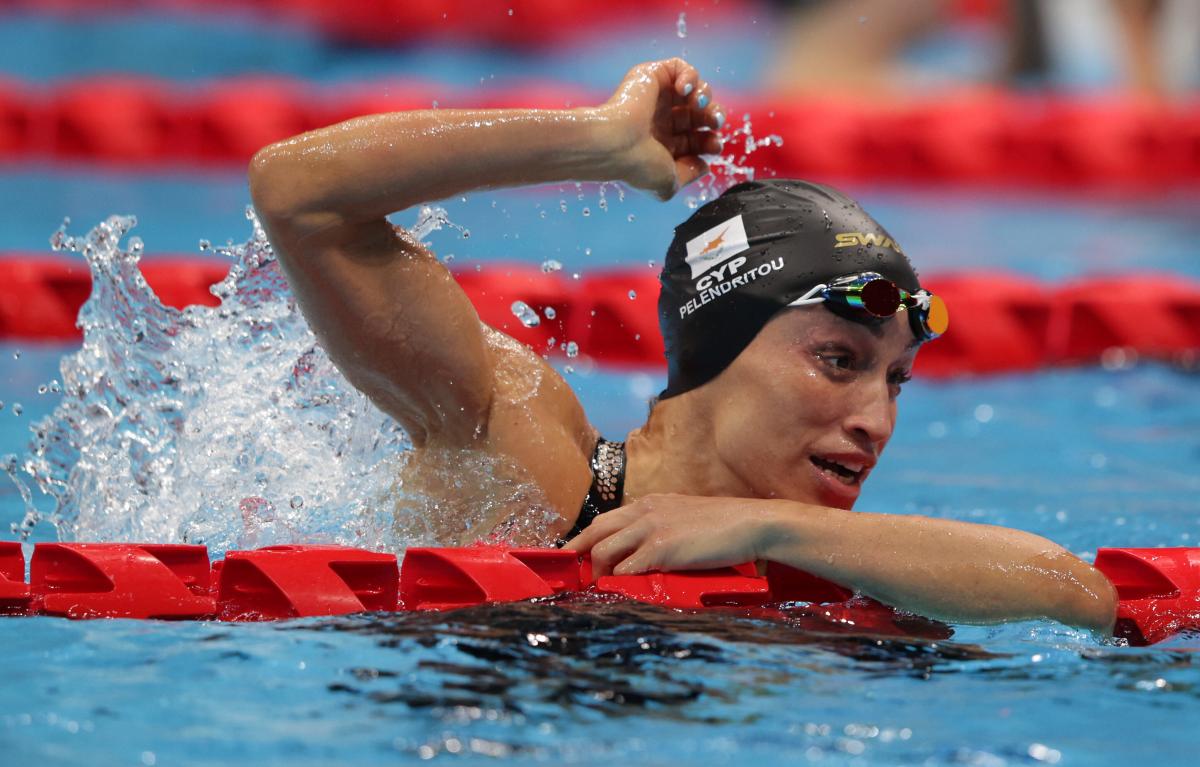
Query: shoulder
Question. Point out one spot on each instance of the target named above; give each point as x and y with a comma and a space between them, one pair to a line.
536, 418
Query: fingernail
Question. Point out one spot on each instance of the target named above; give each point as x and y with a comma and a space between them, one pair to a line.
687, 89
720, 120
702, 101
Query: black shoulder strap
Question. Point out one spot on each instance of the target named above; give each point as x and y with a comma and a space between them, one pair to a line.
608, 484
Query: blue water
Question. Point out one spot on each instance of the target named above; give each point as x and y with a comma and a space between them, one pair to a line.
1086, 457
945, 229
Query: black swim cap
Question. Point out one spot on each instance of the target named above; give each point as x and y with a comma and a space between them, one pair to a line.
748, 254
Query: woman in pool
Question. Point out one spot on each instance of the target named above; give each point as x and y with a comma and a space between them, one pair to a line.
791, 319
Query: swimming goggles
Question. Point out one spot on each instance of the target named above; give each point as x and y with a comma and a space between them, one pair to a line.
880, 297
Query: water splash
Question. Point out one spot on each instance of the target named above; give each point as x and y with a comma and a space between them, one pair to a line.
732, 166
206, 424
525, 313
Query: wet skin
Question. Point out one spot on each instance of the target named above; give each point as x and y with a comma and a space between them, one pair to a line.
806, 410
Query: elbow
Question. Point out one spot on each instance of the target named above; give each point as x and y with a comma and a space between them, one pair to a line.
269, 187
1092, 603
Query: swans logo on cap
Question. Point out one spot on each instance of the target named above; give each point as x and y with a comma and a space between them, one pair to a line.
716, 246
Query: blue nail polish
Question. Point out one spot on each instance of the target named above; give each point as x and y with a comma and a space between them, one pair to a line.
687, 89
702, 101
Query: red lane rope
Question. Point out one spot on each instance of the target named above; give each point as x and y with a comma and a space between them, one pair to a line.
516, 23
1002, 322
972, 136
1158, 589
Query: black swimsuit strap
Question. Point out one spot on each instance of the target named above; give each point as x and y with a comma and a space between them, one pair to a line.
608, 484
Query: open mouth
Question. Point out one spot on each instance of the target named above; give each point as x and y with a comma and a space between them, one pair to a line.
849, 474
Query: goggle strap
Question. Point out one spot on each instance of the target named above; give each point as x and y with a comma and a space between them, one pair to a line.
813, 296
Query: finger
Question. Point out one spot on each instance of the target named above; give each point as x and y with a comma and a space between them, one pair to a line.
642, 560
681, 118
686, 81
700, 142
614, 549
702, 96
713, 117
600, 528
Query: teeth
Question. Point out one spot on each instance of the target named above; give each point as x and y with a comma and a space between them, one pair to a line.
845, 473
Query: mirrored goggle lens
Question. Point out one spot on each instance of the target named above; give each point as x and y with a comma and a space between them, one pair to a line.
937, 319
880, 297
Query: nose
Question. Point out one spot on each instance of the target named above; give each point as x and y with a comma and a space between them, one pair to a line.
872, 418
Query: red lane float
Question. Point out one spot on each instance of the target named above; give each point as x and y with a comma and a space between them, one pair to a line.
296, 581
1159, 589
118, 580
519, 23
14, 592
1002, 322
988, 137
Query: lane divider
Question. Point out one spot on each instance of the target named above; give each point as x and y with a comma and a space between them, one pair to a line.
981, 136
1159, 589
528, 24
1002, 322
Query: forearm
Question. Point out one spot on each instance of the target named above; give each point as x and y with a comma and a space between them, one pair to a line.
944, 569
366, 168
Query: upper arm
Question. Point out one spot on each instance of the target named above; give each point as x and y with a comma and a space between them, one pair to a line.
393, 320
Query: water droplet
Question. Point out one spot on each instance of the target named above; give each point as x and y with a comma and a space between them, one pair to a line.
43, 389
603, 204
550, 342
549, 312
550, 265
541, 214
466, 234
205, 245
630, 218
447, 258
525, 314
568, 369
17, 354
650, 263
632, 294
136, 246
296, 502
17, 408
562, 205
681, 26
572, 349
587, 251
510, 11
587, 211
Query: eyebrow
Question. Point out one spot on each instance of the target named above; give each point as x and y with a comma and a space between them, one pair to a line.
879, 329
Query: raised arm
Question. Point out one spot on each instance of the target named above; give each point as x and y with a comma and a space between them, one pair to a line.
390, 315
953, 571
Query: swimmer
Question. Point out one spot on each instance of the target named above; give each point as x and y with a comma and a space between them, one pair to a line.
791, 321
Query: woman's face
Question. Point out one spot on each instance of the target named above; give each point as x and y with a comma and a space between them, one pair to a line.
805, 411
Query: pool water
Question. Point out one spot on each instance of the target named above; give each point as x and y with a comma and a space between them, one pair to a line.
1087, 457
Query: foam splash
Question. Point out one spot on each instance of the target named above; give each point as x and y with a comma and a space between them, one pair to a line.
226, 425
